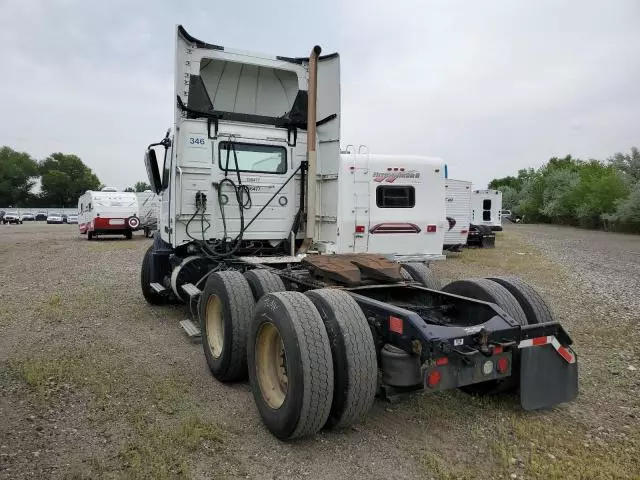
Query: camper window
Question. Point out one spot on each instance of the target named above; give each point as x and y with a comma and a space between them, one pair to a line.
252, 158
486, 210
395, 196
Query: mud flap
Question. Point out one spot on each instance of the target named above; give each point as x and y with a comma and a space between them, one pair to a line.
546, 378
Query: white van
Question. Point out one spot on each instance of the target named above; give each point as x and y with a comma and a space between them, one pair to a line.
108, 212
396, 208
486, 206
457, 202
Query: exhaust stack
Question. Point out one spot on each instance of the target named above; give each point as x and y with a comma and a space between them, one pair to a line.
312, 96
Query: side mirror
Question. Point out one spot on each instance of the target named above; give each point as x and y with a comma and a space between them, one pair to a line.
151, 163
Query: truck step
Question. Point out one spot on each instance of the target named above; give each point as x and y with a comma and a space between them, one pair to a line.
157, 287
190, 328
191, 290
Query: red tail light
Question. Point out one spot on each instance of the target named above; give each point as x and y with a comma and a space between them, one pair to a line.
359, 228
497, 349
395, 228
442, 361
431, 228
502, 365
433, 379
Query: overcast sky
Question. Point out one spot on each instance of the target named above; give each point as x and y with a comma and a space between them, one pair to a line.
489, 86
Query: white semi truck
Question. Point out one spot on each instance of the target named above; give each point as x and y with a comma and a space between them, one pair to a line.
305, 270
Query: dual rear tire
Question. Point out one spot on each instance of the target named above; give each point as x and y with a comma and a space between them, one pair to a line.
310, 358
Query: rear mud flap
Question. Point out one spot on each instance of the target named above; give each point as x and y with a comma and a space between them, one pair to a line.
546, 378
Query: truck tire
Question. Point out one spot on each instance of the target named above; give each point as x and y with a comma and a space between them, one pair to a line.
262, 282
226, 308
488, 291
128, 235
355, 366
89, 235
148, 293
535, 308
419, 272
290, 365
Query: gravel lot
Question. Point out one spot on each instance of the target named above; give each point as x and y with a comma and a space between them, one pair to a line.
607, 264
95, 383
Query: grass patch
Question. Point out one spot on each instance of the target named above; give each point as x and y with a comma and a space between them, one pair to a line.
512, 256
160, 424
509, 441
162, 453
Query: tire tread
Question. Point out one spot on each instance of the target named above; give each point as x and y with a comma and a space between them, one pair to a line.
359, 355
316, 359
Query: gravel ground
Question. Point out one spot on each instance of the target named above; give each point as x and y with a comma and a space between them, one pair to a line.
607, 264
95, 383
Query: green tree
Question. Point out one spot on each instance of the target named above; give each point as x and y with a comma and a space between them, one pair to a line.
141, 186
558, 199
65, 178
510, 197
628, 209
17, 172
511, 182
129, 189
532, 198
627, 163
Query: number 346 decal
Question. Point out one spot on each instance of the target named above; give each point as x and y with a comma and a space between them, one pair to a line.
196, 141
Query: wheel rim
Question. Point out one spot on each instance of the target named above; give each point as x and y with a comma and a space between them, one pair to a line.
215, 325
271, 365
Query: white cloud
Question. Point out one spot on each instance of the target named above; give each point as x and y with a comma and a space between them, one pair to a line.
490, 86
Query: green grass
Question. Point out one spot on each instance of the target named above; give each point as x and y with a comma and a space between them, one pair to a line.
162, 452
160, 423
506, 440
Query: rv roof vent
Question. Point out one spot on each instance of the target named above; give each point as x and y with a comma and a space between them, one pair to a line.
109, 189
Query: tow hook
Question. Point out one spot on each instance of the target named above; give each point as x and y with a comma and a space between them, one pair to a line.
483, 342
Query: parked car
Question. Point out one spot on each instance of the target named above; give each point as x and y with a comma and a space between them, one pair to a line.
41, 216
54, 218
11, 217
72, 219
27, 217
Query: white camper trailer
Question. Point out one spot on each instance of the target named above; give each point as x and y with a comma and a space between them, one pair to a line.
149, 209
389, 204
457, 202
108, 212
485, 208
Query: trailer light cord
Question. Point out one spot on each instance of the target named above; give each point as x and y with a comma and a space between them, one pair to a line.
227, 247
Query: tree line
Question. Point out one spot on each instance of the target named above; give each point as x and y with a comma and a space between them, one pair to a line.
63, 178
587, 193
